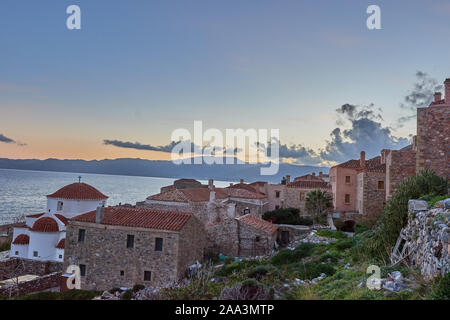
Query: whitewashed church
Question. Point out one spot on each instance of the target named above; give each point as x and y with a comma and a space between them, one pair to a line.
43, 235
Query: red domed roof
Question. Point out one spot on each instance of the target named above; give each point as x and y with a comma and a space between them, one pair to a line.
45, 224
78, 191
22, 239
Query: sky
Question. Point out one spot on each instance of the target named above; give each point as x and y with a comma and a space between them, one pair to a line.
138, 70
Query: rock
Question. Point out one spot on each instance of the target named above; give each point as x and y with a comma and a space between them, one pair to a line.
396, 275
415, 206
447, 203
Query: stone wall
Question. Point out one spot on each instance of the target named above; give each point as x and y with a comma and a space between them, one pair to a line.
371, 198
295, 197
426, 238
191, 245
400, 164
105, 254
26, 266
433, 144
39, 284
253, 241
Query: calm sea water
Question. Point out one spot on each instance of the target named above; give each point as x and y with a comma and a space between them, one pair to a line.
23, 191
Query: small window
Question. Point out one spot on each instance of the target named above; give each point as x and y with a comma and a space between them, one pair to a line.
81, 235
380, 184
158, 244
302, 196
347, 179
35, 253
257, 238
147, 276
122, 272
60, 256
277, 207
277, 194
59, 207
16, 253
130, 241
347, 198
82, 270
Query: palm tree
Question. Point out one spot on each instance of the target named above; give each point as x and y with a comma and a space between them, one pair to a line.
318, 203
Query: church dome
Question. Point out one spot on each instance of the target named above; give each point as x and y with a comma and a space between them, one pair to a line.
22, 239
78, 191
45, 224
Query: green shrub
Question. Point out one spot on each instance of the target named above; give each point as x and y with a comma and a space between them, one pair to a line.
126, 295
5, 246
287, 256
260, 271
441, 288
138, 287
395, 213
287, 216
313, 269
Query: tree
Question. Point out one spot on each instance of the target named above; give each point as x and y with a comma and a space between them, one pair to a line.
318, 203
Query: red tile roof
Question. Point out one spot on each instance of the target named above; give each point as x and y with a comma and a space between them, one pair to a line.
45, 224
242, 193
258, 223
434, 103
186, 195
139, 217
308, 177
61, 244
309, 184
356, 164
62, 218
78, 191
243, 186
37, 215
22, 239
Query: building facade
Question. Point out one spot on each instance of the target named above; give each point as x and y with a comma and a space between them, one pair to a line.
123, 246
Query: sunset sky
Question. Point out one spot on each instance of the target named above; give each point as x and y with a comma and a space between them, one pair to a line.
137, 70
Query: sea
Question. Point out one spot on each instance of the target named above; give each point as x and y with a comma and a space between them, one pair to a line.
23, 192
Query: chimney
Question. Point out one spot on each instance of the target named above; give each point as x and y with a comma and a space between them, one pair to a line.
211, 184
231, 184
99, 214
212, 196
313, 174
447, 91
288, 179
320, 174
241, 181
437, 96
362, 160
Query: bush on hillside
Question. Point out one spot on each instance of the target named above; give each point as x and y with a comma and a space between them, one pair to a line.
287, 256
287, 216
395, 213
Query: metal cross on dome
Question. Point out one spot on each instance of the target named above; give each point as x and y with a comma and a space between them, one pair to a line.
79, 179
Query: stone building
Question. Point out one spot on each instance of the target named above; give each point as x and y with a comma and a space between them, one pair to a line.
255, 236
358, 186
433, 135
123, 246
296, 191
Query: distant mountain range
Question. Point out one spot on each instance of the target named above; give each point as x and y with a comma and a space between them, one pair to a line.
163, 169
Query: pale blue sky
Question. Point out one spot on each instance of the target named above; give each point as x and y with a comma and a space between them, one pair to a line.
140, 69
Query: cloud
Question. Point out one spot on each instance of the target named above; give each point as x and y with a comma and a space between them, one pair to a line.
420, 96
9, 140
366, 133
139, 146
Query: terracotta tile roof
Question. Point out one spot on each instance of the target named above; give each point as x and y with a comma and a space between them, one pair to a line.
37, 215
356, 164
243, 193
258, 223
379, 168
308, 177
62, 218
259, 183
45, 224
309, 184
243, 186
22, 239
78, 191
186, 180
434, 103
139, 217
61, 244
188, 194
